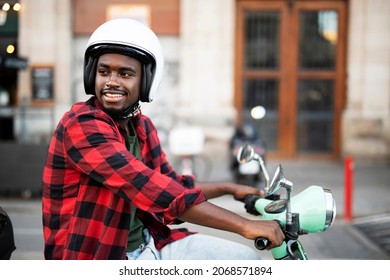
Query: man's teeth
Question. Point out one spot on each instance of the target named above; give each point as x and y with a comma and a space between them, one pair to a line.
114, 94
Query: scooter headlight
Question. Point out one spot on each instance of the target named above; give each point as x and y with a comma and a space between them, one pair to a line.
330, 208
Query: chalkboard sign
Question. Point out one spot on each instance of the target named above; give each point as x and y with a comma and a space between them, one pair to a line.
42, 83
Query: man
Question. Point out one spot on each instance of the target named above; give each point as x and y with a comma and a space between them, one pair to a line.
108, 190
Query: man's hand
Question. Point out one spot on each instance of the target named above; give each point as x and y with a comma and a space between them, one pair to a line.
267, 229
242, 191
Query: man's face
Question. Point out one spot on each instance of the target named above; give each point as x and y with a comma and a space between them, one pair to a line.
118, 82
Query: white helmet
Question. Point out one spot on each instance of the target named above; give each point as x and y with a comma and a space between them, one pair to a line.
132, 38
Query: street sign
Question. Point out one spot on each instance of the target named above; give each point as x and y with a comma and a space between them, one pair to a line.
12, 62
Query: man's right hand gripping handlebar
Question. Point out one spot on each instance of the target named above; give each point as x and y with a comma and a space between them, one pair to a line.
267, 234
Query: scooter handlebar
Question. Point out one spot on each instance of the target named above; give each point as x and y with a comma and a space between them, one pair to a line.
261, 243
250, 201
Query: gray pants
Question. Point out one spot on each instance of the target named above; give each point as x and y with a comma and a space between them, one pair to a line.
195, 247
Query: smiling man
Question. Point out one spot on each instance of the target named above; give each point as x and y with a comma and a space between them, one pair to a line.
118, 80
108, 189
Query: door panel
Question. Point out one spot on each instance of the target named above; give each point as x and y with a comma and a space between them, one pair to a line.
290, 60
262, 58
317, 40
263, 92
315, 116
262, 40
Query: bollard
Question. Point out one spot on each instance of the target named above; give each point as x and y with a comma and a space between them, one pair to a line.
348, 188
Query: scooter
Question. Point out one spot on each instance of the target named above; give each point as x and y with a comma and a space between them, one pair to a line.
248, 132
310, 211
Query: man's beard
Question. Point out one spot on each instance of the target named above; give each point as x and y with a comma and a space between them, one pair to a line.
123, 113
114, 113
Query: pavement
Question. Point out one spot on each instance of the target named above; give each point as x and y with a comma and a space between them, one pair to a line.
365, 235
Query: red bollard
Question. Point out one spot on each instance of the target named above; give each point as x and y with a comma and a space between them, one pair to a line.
348, 173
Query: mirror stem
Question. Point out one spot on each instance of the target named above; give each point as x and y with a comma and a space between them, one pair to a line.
265, 172
289, 186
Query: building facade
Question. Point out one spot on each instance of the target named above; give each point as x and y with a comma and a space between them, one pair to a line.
321, 69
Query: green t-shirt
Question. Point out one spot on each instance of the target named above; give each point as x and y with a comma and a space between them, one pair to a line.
136, 226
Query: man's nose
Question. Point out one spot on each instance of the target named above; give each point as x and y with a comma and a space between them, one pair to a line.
112, 80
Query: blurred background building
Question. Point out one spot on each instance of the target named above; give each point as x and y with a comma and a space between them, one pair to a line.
321, 69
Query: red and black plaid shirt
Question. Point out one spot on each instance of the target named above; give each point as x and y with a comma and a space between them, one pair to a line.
90, 180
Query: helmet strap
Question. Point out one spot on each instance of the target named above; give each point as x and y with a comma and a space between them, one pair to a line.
132, 111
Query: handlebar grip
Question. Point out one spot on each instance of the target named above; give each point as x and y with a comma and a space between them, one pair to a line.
261, 243
250, 201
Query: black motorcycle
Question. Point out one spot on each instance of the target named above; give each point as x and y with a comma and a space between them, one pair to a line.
248, 173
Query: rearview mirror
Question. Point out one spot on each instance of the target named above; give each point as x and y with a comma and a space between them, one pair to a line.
275, 183
246, 153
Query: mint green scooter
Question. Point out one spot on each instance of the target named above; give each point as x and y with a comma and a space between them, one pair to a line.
310, 211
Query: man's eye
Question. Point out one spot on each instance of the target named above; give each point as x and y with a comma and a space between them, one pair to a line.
102, 72
127, 74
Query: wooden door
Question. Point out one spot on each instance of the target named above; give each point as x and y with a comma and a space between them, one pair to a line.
290, 59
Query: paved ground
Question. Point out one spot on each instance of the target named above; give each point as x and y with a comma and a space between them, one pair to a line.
364, 237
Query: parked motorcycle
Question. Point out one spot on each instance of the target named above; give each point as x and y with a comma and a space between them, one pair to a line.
248, 173
310, 211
